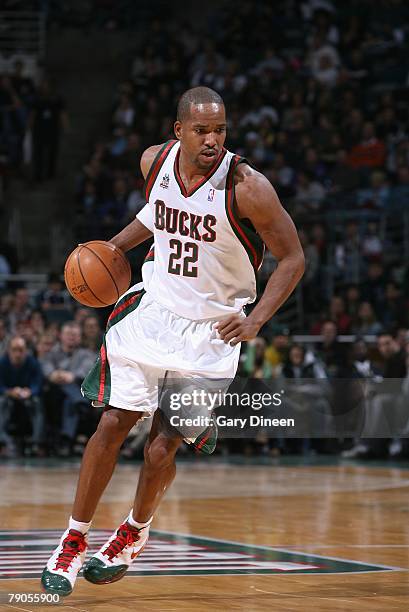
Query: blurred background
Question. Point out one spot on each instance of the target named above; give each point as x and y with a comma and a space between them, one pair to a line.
317, 95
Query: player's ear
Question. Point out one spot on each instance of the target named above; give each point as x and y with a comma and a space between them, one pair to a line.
177, 128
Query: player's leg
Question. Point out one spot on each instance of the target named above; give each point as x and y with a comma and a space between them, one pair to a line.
99, 460
111, 562
158, 470
97, 466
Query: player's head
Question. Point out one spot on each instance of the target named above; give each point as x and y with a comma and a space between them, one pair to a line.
201, 125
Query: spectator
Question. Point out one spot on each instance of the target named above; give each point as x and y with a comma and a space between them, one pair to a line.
370, 152
393, 356
48, 118
20, 400
352, 302
338, 315
372, 247
254, 363
91, 334
65, 366
44, 345
309, 194
367, 323
55, 296
4, 336
377, 195
20, 311
330, 350
394, 307
124, 114
276, 353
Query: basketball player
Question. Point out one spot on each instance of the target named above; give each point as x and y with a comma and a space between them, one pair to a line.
210, 214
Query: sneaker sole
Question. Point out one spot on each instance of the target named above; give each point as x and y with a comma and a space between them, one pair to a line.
114, 578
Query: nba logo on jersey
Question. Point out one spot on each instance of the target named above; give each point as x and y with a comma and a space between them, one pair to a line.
210, 197
165, 181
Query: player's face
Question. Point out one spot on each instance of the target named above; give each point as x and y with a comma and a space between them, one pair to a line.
202, 134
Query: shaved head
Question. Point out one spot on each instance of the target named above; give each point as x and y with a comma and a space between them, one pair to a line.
194, 97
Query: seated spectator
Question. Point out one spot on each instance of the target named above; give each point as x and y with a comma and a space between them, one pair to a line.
343, 177
393, 363
301, 364
372, 246
352, 302
303, 394
338, 315
253, 361
370, 152
330, 351
20, 310
91, 334
377, 195
44, 345
4, 336
373, 289
124, 114
324, 62
276, 353
20, 401
55, 296
367, 323
37, 323
65, 366
309, 194
348, 256
394, 307
362, 365
113, 210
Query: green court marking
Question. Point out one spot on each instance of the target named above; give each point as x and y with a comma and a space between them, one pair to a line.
23, 554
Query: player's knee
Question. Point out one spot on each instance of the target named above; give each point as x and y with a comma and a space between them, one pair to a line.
160, 452
114, 426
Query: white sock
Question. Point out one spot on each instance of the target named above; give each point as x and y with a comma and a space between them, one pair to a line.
78, 526
134, 523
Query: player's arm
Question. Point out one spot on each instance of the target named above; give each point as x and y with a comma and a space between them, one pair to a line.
258, 201
136, 232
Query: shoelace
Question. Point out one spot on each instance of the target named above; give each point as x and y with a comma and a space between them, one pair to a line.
73, 545
125, 536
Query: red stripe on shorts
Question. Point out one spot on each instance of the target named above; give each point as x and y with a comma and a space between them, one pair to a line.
122, 307
103, 355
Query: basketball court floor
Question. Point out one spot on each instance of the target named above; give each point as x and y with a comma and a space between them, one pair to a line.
230, 535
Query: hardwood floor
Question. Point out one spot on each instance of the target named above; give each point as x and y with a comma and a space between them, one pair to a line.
227, 537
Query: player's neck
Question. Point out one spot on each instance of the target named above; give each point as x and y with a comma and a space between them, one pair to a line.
189, 172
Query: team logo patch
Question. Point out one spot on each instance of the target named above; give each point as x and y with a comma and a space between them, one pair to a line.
165, 181
210, 196
23, 554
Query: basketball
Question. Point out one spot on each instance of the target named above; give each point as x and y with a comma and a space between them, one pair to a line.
97, 273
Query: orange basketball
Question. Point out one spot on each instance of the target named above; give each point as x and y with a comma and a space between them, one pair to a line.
97, 273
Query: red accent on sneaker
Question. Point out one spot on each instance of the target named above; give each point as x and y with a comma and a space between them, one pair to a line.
73, 545
126, 535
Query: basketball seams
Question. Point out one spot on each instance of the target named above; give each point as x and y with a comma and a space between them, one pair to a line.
83, 277
84, 246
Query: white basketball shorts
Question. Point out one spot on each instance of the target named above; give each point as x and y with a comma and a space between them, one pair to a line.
144, 343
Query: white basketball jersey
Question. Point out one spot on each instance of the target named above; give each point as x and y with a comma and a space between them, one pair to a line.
205, 256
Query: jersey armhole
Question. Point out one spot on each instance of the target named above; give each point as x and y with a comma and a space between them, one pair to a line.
243, 228
156, 166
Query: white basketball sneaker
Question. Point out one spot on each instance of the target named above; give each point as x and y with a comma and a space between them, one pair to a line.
112, 560
61, 571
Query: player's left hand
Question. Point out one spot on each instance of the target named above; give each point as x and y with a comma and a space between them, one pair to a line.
237, 329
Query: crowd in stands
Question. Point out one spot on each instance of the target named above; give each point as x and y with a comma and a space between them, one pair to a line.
47, 346
317, 99
48, 343
32, 116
